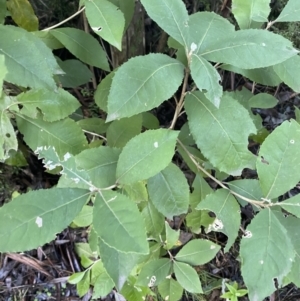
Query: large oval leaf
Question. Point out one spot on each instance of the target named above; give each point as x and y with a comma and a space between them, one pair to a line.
145, 155
267, 254
231, 153
31, 220
279, 160
250, 48
171, 16
142, 84
106, 20
290, 13
169, 191
121, 218
83, 46
27, 70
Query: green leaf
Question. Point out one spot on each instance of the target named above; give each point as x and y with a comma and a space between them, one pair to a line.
38, 132
170, 290
27, 70
102, 91
3, 11
172, 236
265, 76
155, 152
94, 125
142, 84
127, 7
106, 20
121, 131
83, 285
287, 71
278, 161
205, 28
122, 218
137, 191
266, 49
8, 139
271, 260
22, 13
206, 77
251, 14
248, 188
76, 277
154, 272
222, 125
263, 101
169, 191
150, 121
171, 16
82, 45
117, 264
227, 211
48, 39
292, 205
292, 225
84, 217
30, 220
74, 176
290, 13
132, 292
154, 220
54, 105
101, 281
185, 135
76, 74
198, 252
187, 277
100, 164
201, 189
3, 69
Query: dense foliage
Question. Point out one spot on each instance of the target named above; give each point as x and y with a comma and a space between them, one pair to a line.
119, 170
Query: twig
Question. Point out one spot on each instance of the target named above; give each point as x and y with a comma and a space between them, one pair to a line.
64, 21
253, 202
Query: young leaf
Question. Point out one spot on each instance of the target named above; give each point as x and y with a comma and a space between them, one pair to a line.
76, 74
74, 176
121, 131
222, 125
198, 252
122, 218
65, 135
54, 105
154, 220
267, 254
84, 217
265, 76
22, 13
101, 281
155, 152
154, 272
27, 70
102, 91
206, 77
263, 101
172, 236
266, 49
82, 45
169, 191
31, 220
170, 290
290, 13
287, 71
142, 84
227, 211
171, 16
100, 164
205, 28
106, 20
117, 264
8, 139
278, 162
201, 189
292, 205
84, 284
132, 292
187, 277
137, 192
251, 14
